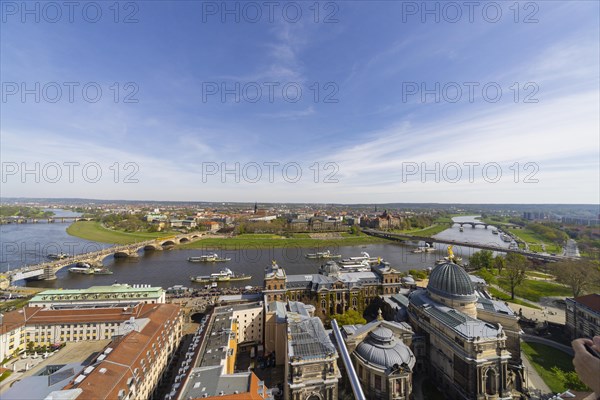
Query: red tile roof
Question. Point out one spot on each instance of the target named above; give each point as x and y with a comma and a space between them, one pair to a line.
591, 301
127, 355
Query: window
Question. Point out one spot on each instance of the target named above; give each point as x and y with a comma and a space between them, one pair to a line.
377, 382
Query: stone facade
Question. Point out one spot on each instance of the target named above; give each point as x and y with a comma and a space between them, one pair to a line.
333, 291
583, 316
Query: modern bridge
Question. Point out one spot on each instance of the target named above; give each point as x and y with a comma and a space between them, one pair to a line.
489, 246
47, 270
484, 224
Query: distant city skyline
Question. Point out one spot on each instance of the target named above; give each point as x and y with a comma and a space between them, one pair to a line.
165, 101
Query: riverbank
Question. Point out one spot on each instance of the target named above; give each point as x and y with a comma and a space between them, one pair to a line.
264, 241
425, 232
94, 231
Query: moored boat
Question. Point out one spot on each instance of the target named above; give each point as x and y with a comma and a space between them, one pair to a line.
225, 275
323, 254
89, 270
81, 270
208, 258
58, 256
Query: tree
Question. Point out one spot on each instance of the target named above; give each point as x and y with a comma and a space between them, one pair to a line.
570, 380
481, 259
350, 317
486, 259
516, 265
578, 275
499, 263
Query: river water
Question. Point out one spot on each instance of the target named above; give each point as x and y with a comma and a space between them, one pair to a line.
170, 267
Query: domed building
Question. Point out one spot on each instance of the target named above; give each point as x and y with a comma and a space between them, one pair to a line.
382, 358
451, 285
466, 349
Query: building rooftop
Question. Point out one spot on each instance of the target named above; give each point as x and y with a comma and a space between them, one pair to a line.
591, 301
451, 281
307, 338
462, 324
124, 360
50, 379
117, 291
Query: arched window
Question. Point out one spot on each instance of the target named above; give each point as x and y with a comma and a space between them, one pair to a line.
354, 302
490, 382
323, 304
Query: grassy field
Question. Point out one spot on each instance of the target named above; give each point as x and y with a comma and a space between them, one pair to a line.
535, 241
428, 232
533, 290
543, 359
17, 303
506, 297
92, 230
262, 241
541, 275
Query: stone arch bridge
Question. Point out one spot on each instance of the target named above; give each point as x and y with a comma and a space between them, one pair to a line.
47, 270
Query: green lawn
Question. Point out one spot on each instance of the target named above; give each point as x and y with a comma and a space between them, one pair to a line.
92, 230
543, 359
262, 241
506, 297
540, 275
428, 232
533, 290
17, 303
535, 241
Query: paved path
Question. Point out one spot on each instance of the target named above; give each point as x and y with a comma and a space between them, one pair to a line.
547, 313
534, 379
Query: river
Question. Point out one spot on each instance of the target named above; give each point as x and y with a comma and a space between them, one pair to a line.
170, 267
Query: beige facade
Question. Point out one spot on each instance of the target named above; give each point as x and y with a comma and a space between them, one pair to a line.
583, 316
250, 322
382, 358
334, 291
463, 344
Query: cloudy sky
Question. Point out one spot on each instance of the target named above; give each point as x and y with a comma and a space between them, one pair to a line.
348, 101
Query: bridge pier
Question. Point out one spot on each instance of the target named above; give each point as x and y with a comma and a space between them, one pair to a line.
126, 254
49, 274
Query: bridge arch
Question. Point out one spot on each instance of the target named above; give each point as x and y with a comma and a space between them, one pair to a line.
151, 246
184, 240
168, 243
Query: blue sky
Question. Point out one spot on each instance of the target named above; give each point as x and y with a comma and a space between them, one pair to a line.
361, 114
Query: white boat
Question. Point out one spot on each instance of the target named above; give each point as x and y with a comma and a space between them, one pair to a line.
495, 232
363, 266
81, 270
506, 238
208, 258
224, 275
59, 256
324, 254
90, 270
356, 260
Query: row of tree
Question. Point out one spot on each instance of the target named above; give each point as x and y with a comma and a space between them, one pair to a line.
578, 275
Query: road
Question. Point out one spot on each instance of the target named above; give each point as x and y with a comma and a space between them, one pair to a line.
571, 249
